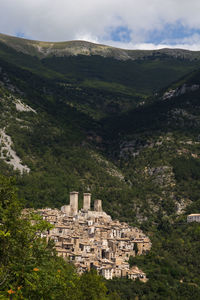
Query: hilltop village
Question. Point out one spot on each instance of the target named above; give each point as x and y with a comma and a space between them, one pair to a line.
91, 239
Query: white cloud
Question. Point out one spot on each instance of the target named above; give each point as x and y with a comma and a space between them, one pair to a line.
151, 46
92, 20
190, 43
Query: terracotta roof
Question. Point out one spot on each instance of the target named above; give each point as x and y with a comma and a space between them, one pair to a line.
194, 215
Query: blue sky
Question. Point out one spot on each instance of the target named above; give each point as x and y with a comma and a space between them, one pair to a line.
20, 34
120, 34
132, 24
171, 33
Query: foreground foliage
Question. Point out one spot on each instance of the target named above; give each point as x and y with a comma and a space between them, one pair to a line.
96, 129
171, 265
29, 266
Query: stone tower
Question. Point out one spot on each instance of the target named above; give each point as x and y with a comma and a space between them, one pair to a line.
74, 202
86, 201
66, 209
98, 205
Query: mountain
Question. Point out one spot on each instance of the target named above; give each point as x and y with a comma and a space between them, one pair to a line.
125, 130
115, 131
74, 48
91, 82
115, 142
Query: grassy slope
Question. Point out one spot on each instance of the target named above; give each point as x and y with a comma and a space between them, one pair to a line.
140, 76
44, 49
64, 154
100, 86
63, 135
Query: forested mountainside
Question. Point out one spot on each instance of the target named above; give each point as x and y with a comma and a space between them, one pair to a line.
125, 130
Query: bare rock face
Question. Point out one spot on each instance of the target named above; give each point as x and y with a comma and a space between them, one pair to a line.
20, 106
9, 155
180, 91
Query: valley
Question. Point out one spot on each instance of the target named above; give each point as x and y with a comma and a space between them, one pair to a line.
112, 125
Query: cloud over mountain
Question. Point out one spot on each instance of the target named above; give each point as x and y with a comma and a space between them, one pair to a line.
129, 22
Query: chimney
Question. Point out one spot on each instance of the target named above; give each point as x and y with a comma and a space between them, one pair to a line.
98, 205
86, 201
74, 202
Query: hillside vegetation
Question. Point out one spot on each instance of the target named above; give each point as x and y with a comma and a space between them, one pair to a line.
71, 48
90, 123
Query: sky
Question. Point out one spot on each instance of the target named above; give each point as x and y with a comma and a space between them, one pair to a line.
129, 24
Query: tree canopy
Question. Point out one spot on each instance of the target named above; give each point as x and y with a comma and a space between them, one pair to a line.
29, 266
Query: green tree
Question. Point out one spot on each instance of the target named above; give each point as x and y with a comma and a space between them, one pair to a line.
29, 266
92, 286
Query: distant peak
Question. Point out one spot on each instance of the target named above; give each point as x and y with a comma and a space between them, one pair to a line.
79, 47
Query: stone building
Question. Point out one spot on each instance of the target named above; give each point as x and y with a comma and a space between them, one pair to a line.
193, 218
91, 239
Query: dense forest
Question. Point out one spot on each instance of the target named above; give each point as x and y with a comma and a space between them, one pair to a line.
101, 125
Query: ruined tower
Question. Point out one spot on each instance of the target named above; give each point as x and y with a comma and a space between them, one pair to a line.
98, 205
86, 201
74, 202
66, 209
